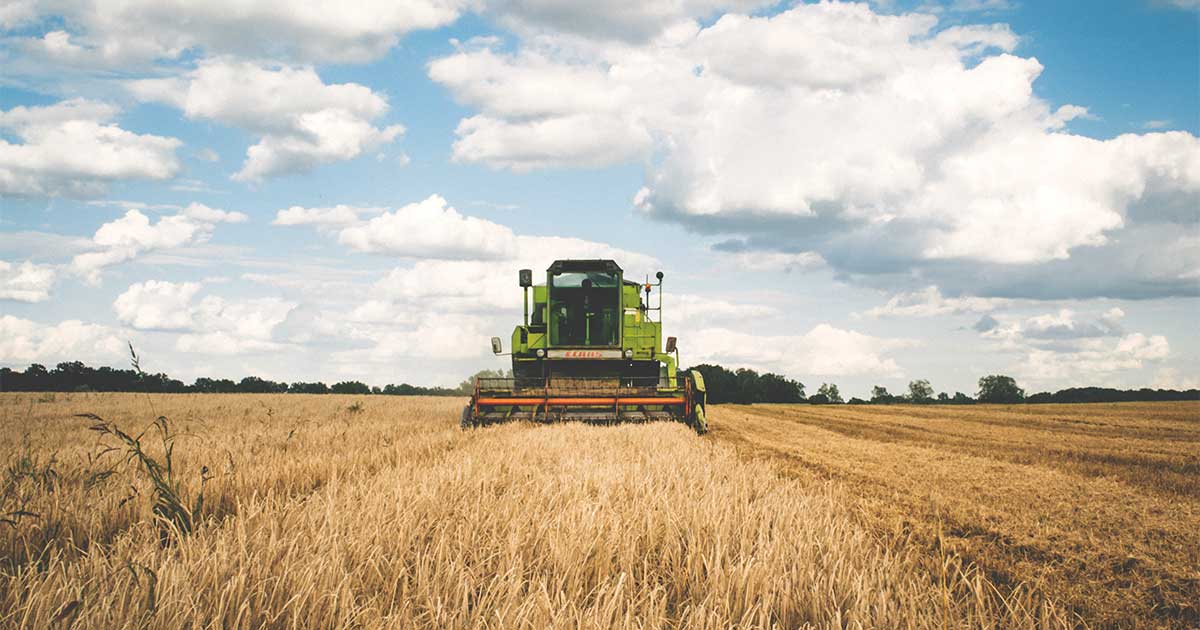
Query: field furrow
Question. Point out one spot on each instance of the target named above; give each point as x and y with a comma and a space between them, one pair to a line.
1072, 516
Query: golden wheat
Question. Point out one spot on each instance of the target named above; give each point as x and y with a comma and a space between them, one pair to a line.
337, 512
1096, 506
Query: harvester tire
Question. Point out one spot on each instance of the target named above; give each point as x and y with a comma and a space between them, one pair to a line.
700, 423
467, 422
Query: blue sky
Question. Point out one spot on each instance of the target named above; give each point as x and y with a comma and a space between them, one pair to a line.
859, 194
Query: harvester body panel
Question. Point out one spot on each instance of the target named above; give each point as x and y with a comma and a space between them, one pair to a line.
589, 350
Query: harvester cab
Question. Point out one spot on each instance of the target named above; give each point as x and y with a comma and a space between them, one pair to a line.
591, 350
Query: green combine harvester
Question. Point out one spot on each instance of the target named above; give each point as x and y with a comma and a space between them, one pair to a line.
591, 352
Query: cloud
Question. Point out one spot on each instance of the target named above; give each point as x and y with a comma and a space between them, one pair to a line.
985, 324
1064, 325
449, 336
1170, 378
302, 122
157, 305
825, 350
463, 290
698, 311
1063, 347
72, 148
1064, 331
142, 30
930, 302
133, 234
26, 282
889, 148
205, 214
1093, 360
24, 341
439, 234
335, 216
213, 324
769, 261
1156, 124
483, 286
431, 229
622, 20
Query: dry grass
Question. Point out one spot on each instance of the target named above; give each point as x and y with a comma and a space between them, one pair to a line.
332, 511
1096, 506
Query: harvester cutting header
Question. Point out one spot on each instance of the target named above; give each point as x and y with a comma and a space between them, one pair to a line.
590, 351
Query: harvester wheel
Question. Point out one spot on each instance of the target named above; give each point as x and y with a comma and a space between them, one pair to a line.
700, 423
467, 422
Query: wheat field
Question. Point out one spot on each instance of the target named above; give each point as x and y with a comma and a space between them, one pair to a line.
295, 511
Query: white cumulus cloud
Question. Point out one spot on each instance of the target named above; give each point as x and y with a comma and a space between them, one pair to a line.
133, 234
1068, 347
929, 302
213, 325
156, 304
126, 31
26, 341
301, 121
877, 142
73, 148
27, 281
431, 229
340, 215
825, 350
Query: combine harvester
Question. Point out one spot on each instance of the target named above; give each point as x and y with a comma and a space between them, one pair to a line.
591, 352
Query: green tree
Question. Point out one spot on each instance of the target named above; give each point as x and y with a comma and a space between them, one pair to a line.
467, 387
350, 387
919, 391
880, 395
830, 391
720, 383
998, 388
780, 389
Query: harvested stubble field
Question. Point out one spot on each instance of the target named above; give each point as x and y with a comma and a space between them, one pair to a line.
342, 511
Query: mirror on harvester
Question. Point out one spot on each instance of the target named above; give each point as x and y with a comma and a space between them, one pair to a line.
496, 347
670, 345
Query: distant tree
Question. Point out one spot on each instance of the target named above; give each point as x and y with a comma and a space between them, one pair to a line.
404, 389
857, 401
37, 379
830, 391
467, 387
750, 388
1040, 397
350, 387
779, 389
818, 399
998, 388
256, 385
721, 385
308, 388
880, 395
214, 386
943, 398
920, 392
962, 399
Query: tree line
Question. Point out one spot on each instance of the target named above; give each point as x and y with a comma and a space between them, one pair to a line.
746, 386
74, 376
742, 386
